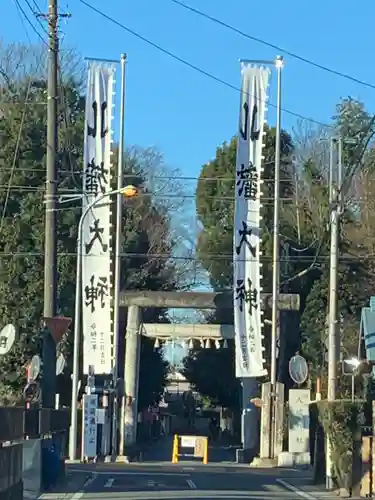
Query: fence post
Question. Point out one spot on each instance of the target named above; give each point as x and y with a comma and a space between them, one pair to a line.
175, 450
205, 453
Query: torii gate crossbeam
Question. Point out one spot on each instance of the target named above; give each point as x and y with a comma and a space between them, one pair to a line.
137, 300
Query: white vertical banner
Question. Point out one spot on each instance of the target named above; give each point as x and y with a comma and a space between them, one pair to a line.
96, 247
89, 425
246, 251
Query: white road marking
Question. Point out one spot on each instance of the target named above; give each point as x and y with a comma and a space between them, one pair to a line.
91, 479
78, 495
138, 473
191, 484
109, 482
298, 492
151, 484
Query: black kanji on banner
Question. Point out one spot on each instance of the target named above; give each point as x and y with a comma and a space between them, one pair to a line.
92, 131
97, 235
254, 133
96, 178
247, 182
245, 128
246, 295
96, 291
244, 235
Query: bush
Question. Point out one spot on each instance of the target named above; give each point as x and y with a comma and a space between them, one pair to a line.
341, 421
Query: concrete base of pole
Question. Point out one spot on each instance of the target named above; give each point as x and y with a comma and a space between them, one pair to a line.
245, 455
295, 460
266, 463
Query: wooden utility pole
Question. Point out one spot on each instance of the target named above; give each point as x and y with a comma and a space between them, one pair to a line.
50, 236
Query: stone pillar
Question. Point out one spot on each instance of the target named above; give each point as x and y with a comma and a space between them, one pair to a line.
131, 377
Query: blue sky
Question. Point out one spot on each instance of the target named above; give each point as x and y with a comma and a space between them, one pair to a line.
186, 114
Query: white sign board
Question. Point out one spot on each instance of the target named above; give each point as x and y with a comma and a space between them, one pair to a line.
188, 441
299, 420
89, 425
247, 223
100, 416
7, 339
96, 252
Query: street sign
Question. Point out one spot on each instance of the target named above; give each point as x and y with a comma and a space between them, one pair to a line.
31, 392
7, 339
58, 326
60, 364
34, 368
287, 301
298, 369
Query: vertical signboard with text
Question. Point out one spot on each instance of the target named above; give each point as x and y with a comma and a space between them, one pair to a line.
246, 251
96, 242
89, 425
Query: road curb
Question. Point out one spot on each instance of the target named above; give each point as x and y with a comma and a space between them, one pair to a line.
72, 486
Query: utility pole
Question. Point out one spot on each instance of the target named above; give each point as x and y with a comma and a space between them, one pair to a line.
50, 244
335, 208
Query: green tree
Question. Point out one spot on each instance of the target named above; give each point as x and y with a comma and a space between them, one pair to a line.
356, 277
22, 182
215, 211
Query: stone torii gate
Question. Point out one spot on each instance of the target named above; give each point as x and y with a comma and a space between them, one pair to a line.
135, 301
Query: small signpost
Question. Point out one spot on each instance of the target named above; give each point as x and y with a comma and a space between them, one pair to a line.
89, 427
198, 443
34, 368
298, 369
58, 326
60, 364
7, 339
31, 391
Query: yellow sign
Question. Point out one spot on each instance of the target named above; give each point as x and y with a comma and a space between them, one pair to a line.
199, 443
200, 446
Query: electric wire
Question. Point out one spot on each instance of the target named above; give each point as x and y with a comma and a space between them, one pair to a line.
191, 65
182, 61
273, 46
267, 199
20, 130
27, 19
202, 256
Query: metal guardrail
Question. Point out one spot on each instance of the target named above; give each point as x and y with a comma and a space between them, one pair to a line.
40, 422
16, 423
51, 421
11, 423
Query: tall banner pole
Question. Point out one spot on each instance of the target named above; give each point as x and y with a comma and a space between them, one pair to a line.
246, 252
275, 329
93, 310
117, 278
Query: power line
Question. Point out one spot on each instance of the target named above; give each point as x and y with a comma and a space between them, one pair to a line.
191, 65
265, 200
155, 177
38, 13
9, 186
273, 46
198, 258
26, 17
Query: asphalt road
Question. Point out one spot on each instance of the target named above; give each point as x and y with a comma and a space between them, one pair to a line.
182, 482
